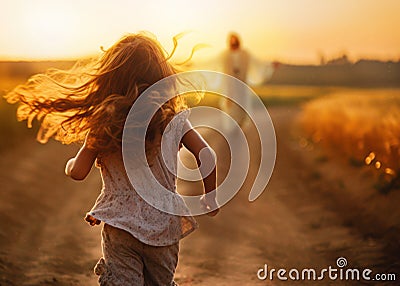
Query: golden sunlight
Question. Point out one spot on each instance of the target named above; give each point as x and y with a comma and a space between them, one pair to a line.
48, 30
301, 32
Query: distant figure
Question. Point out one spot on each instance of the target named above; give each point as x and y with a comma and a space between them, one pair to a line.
247, 69
236, 59
140, 243
235, 63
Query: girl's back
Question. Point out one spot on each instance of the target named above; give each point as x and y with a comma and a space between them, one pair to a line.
120, 205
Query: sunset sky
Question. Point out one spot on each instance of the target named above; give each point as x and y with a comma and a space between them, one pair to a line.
297, 31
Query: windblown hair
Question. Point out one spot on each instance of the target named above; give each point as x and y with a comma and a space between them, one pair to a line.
94, 97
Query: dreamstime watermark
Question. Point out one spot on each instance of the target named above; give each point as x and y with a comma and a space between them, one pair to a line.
338, 272
228, 89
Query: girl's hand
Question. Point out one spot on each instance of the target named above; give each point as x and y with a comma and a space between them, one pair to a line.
91, 220
209, 204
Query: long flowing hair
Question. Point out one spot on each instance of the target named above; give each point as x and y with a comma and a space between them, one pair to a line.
95, 96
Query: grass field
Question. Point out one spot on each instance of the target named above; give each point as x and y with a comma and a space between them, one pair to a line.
316, 210
11, 130
278, 95
361, 124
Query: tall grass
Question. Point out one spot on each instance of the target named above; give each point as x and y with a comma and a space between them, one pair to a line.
11, 131
364, 125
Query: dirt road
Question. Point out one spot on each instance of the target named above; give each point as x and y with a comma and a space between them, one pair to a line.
311, 213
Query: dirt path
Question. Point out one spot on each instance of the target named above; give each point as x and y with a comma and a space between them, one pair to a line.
296, 223
43, 238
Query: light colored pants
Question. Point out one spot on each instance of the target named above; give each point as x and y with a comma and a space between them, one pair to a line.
127, 261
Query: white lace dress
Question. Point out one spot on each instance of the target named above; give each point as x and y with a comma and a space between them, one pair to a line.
119, 205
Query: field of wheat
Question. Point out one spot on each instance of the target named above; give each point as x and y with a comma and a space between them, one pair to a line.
363, 125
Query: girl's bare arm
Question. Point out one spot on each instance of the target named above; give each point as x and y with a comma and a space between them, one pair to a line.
203, 153
79, 167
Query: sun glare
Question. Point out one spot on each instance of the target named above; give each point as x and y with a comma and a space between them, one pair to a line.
49, 31
68, 29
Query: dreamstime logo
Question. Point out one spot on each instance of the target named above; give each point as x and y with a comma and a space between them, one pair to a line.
331, 272
225, 122
341, 262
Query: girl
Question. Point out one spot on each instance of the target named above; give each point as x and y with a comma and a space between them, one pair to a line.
139, 242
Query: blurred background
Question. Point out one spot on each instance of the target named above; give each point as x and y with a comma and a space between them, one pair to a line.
334, 98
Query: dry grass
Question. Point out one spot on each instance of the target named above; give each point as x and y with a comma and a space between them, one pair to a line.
11, 130
273, 95
364, 125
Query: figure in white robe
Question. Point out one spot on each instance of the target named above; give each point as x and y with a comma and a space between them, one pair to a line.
240, 64
237, 62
